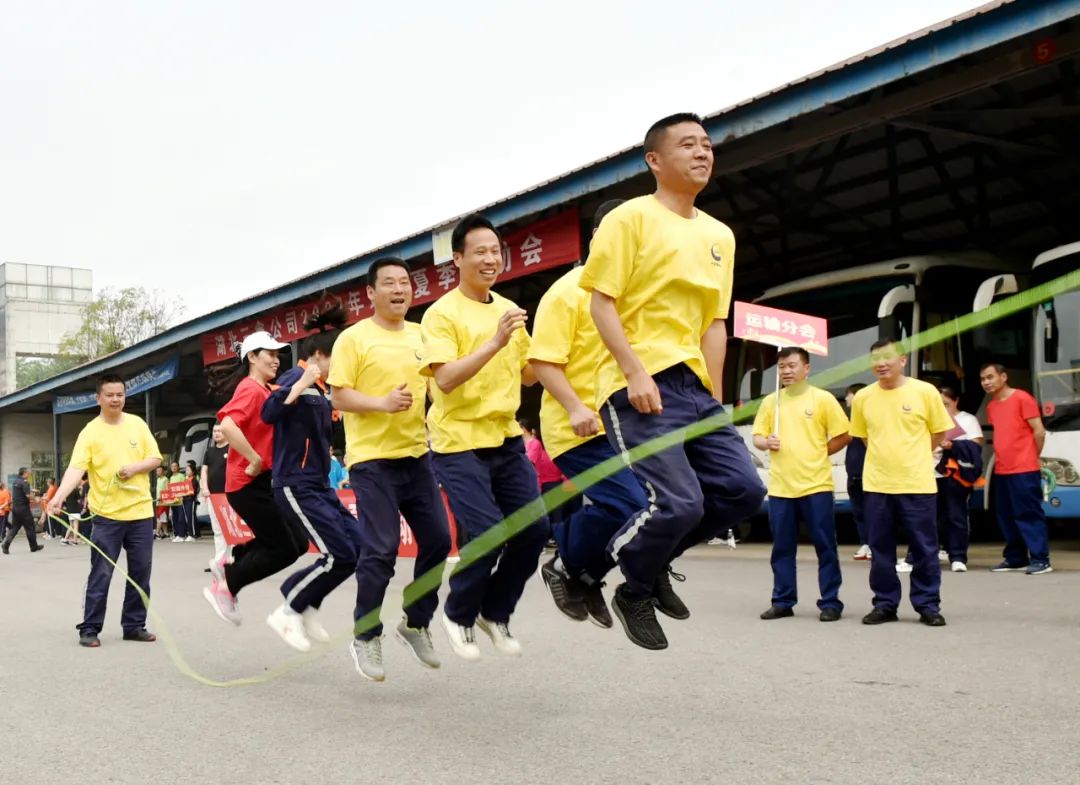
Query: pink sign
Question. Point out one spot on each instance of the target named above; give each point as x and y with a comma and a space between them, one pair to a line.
781, 328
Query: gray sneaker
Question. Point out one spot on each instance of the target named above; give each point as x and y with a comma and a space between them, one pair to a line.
367, 656
419, 642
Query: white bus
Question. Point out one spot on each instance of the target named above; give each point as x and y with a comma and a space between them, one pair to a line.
897, 299
1040, 347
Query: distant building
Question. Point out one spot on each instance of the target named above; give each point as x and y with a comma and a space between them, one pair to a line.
39, 305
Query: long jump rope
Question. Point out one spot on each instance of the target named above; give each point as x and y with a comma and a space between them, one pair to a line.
516, 522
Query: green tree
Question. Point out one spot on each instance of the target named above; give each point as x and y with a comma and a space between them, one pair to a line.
31, 370
115, 320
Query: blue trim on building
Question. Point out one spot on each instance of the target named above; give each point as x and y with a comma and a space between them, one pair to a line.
962, 38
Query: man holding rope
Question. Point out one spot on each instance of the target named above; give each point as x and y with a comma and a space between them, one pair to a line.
117, 450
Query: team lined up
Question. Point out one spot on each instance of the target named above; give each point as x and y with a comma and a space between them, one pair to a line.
628, 348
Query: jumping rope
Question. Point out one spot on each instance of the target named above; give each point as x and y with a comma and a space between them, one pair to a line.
518, 521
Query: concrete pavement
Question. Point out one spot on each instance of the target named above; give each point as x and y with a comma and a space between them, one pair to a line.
990, 698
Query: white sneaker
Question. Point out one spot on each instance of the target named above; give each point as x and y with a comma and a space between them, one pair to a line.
290, 627
943, 557
505, 642
959, 566
177, 539
903, 566
313, 627
189, 539
863, 554
462, 639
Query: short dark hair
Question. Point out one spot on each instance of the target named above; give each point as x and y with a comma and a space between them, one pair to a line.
996, 366
881, 343
789, 351
949, 393
466, 225
854, 388
23, 470
109, 378
603, 210
657, 129
378, 264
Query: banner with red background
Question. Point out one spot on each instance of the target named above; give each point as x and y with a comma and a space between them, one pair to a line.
543, 245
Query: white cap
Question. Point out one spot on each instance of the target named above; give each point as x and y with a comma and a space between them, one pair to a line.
260, 340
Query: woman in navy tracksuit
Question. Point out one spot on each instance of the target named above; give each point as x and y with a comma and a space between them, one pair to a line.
301, 414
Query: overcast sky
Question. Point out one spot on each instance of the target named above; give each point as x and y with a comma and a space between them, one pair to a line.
212, 150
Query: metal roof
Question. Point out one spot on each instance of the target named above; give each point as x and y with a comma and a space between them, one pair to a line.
952, 40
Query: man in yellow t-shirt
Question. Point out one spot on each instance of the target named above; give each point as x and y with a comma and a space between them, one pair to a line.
376, 384
812, 427
660, 275
565, 352
118, 452
902, 421
475, 349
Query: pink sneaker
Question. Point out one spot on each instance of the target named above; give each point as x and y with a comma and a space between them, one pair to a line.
217, 568
222, 601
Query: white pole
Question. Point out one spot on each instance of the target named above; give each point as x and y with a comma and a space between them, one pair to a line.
776, 408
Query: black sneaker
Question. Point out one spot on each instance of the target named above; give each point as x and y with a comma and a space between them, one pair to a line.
667, 601
638, 618
597, 607
777, 612
4, 548
140, 635
564, 591
932, 619
879, 616
829, 614
1006, 567
89, 640
38, 548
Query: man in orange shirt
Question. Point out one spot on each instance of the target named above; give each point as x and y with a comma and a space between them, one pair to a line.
5, 508
45, 521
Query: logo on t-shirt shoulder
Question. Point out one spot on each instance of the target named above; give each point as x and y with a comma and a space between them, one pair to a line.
717, 255
133, 442
907, 408
809, 412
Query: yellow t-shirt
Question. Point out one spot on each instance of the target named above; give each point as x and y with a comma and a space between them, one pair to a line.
808, 419
565, 334
374, 361
670, 278
481, 412
101, 450
897, 425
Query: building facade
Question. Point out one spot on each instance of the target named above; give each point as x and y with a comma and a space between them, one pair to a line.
39, 306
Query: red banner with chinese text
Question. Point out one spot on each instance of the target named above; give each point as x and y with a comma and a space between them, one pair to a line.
236, 532
543, 245
175, 491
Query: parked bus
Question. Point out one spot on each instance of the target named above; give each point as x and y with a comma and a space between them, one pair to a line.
1040, 347
895, 299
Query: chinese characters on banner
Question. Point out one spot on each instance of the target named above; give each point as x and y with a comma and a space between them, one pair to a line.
175, 491
236, 532
781, 328
543, 245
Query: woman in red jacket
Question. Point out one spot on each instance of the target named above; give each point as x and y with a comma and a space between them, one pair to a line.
278, 542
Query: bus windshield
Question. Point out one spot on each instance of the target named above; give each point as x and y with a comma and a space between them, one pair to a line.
852, 313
